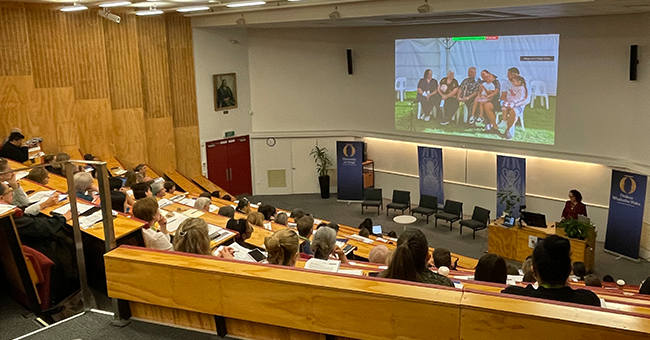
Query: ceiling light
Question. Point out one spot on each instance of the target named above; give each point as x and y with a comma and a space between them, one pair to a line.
151, 11
75, 7
114, 4
193, 9
245, 4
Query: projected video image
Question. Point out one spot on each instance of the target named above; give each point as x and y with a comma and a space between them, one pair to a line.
497, 87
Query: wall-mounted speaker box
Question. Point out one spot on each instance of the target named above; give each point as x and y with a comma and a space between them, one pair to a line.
350, 62
634, 60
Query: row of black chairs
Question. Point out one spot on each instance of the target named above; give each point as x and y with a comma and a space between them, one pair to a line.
451, 212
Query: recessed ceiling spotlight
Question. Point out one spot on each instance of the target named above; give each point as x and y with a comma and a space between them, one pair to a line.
245, 4
75, 7
114, 4
193, 9
151, 11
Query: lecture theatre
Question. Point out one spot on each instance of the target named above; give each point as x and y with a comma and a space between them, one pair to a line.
324, 169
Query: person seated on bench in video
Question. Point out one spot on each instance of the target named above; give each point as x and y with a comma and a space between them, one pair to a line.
428, 95
14, 149
324, 245
410, 259
282, 247
192, 237
574, 206
154, 232
552, 267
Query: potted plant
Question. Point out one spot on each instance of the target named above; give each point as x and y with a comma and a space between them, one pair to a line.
323, 164
576, 229
508, 198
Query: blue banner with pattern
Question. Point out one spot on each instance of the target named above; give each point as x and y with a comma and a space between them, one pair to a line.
349, 169
511, 184
625, 218
430, 170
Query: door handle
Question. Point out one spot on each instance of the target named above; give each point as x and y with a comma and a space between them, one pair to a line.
227, 175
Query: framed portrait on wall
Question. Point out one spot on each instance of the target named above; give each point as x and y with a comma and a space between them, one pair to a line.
225, 91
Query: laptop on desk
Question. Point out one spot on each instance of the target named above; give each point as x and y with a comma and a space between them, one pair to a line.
534, 219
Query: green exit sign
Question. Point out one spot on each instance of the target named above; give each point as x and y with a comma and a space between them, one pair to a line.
230, 133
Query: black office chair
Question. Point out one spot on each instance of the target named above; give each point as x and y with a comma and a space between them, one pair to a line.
428, 206
479, 221
401, 201
452, 212
372, 198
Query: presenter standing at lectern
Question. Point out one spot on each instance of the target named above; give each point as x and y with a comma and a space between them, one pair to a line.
574, 206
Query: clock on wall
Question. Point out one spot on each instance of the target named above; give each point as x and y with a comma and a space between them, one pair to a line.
270, 141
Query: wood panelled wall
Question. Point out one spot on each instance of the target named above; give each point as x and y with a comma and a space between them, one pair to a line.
82, 82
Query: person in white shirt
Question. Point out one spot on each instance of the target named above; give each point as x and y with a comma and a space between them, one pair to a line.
155, 232
513, 107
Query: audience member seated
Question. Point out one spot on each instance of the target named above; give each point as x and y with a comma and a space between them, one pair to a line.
170, 187
131, 179
216, 194
608, 278
442, 258
491, 268
84, 186
154, 232
141, 173
19, 199
141, 190
281, 218
119, 199
206, 195
243, 206
305, 226
39, 175
579, 270
227, 198
379, 254
227, 211
367, 223
268, 211
529, 277
364, 232
324, 245
592, 280
645, 286
256, 219
297, 213
244, 231
48, 159
59, 169
282, 248
334, 226
14, 149
552, 267
512, 270
192, 237
409, 260
202, 204
90, 157
158, 190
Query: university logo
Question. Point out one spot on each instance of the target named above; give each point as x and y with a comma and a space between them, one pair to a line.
621, 184
349, 150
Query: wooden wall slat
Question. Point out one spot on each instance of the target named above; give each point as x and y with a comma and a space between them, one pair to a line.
128, 136
67, 136
49, 45
161, 150
181, 71
123, 63
93, 116
188, 150
152, 43
14, 43
45, 105
89, 51
15, 95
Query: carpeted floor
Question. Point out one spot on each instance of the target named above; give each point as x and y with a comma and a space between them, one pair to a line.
96, 326
15, 320
350, 214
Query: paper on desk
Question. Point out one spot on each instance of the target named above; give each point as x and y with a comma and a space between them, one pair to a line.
458, 285
358, 272
317, 221
254, 206
187, 201
213, 208
193, 213
6, 207
267, 226
21, 174
163, 203
175, 221
361, 238
81, 208
340, 244
516, 278
129, 192
37, 197
469, 277
213, 229
86, 222
120, 172
330, 266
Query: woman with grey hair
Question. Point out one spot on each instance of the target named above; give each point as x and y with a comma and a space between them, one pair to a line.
324, 244
158, 189
281, 218
84, 186
202, 204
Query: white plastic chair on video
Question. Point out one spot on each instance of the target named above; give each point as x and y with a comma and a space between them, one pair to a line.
538, 89
461, 108
434, 112
400, 87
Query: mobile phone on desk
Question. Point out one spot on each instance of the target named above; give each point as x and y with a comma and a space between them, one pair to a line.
29, 192
257, 255
348, 249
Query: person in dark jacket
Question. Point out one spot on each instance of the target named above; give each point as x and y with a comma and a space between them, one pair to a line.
13, 149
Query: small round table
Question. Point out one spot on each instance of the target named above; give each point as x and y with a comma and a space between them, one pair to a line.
404, 220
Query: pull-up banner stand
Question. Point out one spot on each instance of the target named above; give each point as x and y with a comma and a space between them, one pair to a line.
511, 184
349, 161
625, 219
430, 168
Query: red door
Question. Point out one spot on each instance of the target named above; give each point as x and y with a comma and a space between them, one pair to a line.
217, 158
239, 162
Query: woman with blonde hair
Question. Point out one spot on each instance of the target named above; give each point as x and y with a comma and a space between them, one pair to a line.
192, 237
282, 247
256, 219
